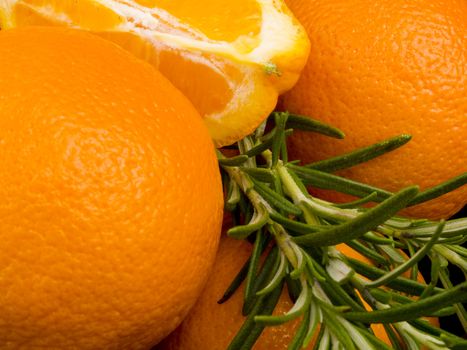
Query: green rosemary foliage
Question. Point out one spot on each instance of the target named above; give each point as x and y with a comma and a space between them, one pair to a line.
269, 194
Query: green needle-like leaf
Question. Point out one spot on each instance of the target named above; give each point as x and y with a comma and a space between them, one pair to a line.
400, 284
280, 202
259, 219
265, 274
359, 202
453, 228
365, 222
303, 123
233, 196
300, 306
235, 284
330, 320
399, 270
417, 309
279, 136
266, 143
261, 174
253, 267
233, 161
440, 189
277, 278
293, 225
327, 181
369, 253
250, 330
360, 155
300, 335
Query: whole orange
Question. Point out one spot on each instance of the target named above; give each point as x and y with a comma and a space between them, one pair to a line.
213, 326
380, 68
111, 199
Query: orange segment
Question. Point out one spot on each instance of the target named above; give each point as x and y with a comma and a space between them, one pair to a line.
78, 13
218, 20
230, 58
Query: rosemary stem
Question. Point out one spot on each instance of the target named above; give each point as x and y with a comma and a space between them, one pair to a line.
284, 242
293, 190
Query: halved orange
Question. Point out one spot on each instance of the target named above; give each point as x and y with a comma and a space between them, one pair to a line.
230, 58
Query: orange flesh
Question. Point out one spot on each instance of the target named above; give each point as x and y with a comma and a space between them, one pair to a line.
218, 20
86, 14
188, 75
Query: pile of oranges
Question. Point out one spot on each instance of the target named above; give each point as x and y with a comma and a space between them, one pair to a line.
112, 200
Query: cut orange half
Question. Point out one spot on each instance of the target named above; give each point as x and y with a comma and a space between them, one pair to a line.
230, 58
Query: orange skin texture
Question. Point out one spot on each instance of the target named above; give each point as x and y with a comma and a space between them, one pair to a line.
382, 68
213, 326
111, 196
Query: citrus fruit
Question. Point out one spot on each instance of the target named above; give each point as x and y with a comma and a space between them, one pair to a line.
111, 195
382, 68
230, 58
213, 326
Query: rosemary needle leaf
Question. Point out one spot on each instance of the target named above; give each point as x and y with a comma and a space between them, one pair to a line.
266, 143
259, 219
455, 227
328, 181
448, 338
233, 196
301, 262
277, 278
296, 121
265, 274
369, 253
233, 161
395, 340
416, 309
279, 137
334, 290
293, 287
261, 174
379, 344
371, 237
360, 155
399, 270
331, 321
401, 284
358, 202
300, 335
434, 275
275, 199
293, 225
300, 306
253, 266
250, 330
314, 320
236, 282
360, 225
440, 189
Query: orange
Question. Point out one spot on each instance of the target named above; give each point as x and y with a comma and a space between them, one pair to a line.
379, 69
230, 58
212, 326
111, 196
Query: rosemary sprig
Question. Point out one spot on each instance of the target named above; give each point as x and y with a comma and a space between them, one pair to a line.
268, 194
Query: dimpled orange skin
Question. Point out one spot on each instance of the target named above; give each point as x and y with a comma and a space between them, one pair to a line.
111, 199
379, 69
213, 326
